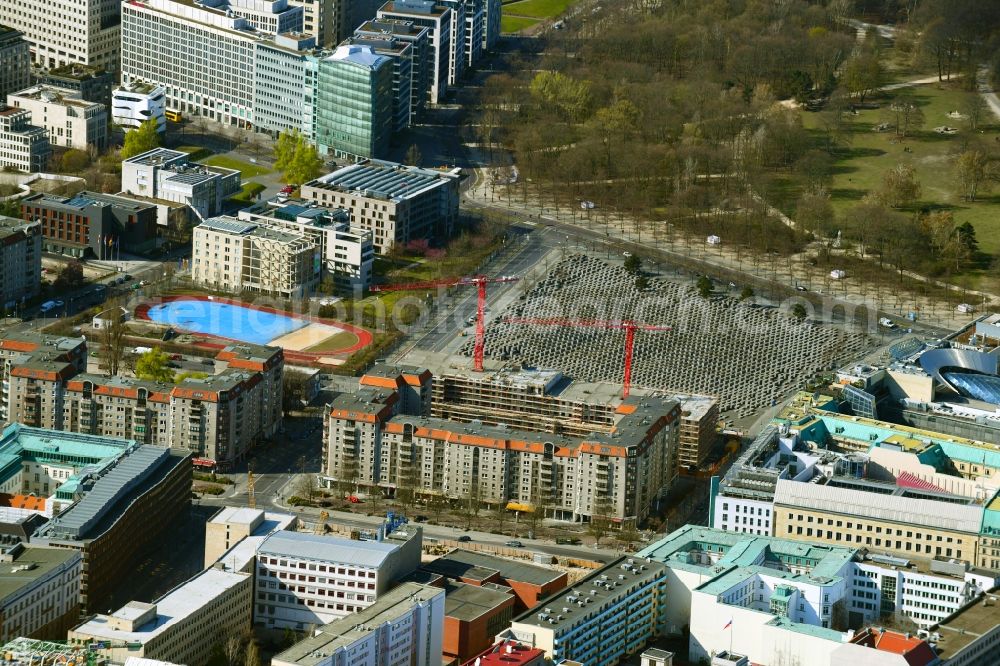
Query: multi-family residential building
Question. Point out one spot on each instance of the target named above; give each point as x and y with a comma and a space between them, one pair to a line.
699, 430
136, 102
617, 475
401, 54
70, 120
20, 261
355, 103
218, 417
117, 503
396, 203
309, 579
184, 626
347, 253
403, 628
772, 592
89, 223
63, 32
606, 616
89, 82
541, 399
168, 174
15, 61
437, 18
23, 146
391, 35
39, 591
234, 255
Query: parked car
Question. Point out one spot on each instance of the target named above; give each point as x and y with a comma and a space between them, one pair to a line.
514, 544
420, 519
568, 541
465, 538
287, 189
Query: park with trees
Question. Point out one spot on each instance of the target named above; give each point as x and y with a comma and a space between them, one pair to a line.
784, 128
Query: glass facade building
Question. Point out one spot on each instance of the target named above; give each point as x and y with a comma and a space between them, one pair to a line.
354, 103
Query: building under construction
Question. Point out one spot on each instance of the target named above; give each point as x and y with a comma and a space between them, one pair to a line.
531, 440
549, 401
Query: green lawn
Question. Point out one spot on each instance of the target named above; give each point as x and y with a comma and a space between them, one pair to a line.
516, 23
248, 194
334, 342
248, 170
194, 152
541, 9
871, 154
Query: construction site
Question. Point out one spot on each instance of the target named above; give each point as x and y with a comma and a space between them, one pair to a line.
587, 318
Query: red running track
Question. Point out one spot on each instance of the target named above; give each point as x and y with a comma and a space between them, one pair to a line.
364, 337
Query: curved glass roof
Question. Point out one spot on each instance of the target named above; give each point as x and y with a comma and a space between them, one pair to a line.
975, 386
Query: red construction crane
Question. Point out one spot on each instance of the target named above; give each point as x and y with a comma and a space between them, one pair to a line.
627, 325
480, 282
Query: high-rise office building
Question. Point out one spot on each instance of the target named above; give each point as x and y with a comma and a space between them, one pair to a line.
324, 20
63, 32
437, 19
15, 62
401, 54
354, 108
396, 32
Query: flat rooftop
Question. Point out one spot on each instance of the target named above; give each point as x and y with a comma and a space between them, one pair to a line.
30, 564
157, 157
468, 564
341, 633
383, 180
171, 608
967, 625
593, 591
326, 548
55, 95
467, 602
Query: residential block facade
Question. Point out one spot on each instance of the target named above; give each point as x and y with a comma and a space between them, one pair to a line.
619, 475
20, 261
218, 417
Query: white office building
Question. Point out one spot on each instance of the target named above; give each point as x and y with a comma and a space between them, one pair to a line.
70, 120
405, 627
310, 579
23, 146
347, 253
67, 32
183, 627
203, 55
167, 174
135, 102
